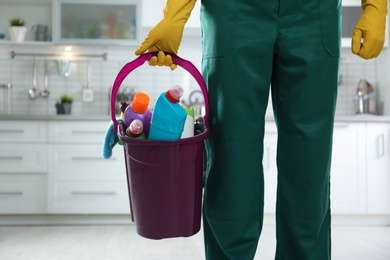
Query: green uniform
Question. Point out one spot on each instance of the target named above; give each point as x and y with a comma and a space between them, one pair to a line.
292, 48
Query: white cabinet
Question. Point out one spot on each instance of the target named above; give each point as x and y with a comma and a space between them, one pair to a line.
80, 180
348, 184
269, 167
22, 193
96, 21
152, 13
23, 171
378, 168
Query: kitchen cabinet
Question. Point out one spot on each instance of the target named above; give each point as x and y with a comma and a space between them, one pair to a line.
269, 167
348, 184
91, 22
378, 168
23, 171
360, 173
96, 21
80, 180
152, 13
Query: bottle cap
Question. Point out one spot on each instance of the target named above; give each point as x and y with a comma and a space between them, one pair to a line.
136, 127
174, 94
140, 102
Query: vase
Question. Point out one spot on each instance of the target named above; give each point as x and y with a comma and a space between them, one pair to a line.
63, 109
17, 33
67, 108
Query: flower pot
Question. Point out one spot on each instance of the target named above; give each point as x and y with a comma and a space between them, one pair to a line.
17, 33
67, 108
63, 109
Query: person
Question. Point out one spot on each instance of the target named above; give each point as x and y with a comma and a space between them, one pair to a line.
291, 47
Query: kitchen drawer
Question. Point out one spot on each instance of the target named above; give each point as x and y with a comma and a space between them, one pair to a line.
88, 197
23, 131
23, 158
77, 132
23, 193
85, 160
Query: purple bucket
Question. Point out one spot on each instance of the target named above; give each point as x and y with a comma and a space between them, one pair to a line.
165, 178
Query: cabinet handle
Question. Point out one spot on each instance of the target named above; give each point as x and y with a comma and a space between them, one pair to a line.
381, 145
105, 193
87, 132
266, 154
85, 158
341, 125
15, 158
11, 193
12, 131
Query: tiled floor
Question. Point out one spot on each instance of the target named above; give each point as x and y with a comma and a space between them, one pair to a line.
120, 242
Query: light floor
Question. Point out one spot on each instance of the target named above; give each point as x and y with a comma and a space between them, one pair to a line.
117, 242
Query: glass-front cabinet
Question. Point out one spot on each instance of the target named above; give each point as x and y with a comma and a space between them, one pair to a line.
115, 22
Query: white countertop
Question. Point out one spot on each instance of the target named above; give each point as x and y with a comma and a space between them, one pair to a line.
352, 118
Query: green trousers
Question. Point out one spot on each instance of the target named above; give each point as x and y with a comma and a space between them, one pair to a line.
292, 48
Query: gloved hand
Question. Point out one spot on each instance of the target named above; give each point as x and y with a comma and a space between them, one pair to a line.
371, 27
167, 34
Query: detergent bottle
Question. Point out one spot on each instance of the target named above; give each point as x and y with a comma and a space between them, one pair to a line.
139, 109
188, 130
135, 129
168, 116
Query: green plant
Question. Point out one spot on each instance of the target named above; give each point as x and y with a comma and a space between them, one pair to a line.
66, 99
17, 22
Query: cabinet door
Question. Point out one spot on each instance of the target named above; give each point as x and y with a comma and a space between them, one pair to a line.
22, 193
270, 169
378, 168
348, 183
81, 181
23, 131
23, 158
96, 21
77, 132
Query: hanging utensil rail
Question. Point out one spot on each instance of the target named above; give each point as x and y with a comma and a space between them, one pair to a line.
14, 54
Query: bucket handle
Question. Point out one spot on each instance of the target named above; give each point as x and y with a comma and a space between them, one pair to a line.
129, 67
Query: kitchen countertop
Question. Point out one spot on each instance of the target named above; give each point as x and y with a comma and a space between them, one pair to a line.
107, 118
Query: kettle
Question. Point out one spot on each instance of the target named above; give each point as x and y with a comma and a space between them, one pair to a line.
365, 99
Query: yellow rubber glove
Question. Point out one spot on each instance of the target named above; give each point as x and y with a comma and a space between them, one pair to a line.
369, 33
167, 34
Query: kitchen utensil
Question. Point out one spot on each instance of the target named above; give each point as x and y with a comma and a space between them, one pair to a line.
45, 92
365, 98
33, 93
5, 98
64, 68
87, 90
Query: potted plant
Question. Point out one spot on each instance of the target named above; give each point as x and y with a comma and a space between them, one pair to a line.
17, 31
64, 105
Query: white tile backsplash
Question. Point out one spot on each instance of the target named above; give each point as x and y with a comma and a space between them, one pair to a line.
152, 80
18, 71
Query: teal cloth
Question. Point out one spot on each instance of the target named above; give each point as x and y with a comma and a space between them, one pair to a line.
110, 140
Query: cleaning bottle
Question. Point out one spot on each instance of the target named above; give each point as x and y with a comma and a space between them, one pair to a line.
188, 130
139, 109
168, 116
135, 129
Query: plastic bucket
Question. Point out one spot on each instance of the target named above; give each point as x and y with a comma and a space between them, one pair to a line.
165, 178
